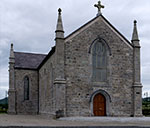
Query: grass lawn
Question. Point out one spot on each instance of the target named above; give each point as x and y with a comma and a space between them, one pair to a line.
146, 108
3, 108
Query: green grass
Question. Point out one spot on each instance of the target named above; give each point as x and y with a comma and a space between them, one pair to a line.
3, 108
146, 108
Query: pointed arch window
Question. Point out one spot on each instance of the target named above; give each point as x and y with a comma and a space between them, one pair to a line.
26, 88
99, 61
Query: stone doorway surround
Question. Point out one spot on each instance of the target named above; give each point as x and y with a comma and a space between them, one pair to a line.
108, 101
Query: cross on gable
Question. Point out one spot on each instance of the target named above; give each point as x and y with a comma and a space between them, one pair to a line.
99, 6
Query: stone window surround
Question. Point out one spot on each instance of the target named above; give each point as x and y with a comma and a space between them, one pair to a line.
109, 53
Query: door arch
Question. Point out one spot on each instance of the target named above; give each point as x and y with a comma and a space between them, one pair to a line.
99, 105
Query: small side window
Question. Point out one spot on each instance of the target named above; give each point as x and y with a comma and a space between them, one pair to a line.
26, 88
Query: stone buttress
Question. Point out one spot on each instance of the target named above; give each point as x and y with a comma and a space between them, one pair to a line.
12, 90
137, 86
60, 82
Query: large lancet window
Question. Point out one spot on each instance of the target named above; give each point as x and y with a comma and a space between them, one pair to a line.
99, 61
26, 88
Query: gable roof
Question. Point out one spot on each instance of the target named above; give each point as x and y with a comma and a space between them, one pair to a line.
29, 61
83, 26
34, 61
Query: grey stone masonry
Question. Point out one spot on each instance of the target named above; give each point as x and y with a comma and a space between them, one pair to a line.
26, 106
94, 71
12, 89
137, 86
60, 82
59, 55
78, 70
46, 87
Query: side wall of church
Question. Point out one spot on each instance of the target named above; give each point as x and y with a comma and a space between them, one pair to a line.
78, 71
46, 87
26, 106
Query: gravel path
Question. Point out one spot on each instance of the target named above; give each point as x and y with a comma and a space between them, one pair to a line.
29, 120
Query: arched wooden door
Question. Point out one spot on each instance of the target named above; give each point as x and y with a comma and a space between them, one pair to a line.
99, 105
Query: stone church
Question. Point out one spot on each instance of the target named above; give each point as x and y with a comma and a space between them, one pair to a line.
94, 71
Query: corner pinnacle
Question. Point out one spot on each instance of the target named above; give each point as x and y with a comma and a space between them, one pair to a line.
135, 32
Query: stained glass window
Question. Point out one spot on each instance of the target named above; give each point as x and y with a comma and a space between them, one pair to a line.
99, 61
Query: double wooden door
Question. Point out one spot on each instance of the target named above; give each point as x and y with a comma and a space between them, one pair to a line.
99, 105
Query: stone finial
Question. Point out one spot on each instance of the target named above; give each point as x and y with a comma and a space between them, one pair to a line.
99, 6
135, 38
12, 56
59, 28
12, 51
12, 46
59, 11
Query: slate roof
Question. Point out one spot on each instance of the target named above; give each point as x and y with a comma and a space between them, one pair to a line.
28, 60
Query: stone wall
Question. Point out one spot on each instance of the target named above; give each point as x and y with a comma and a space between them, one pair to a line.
26, 106
46, 87
76, 91
78, 71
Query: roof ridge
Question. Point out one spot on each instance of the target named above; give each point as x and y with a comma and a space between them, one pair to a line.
31, 53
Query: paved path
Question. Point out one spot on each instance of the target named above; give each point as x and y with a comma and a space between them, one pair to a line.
28, 120
73, 127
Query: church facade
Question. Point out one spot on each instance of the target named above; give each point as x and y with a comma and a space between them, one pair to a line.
94, 71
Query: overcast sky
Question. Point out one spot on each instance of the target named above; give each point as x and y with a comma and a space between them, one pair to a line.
30, 26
